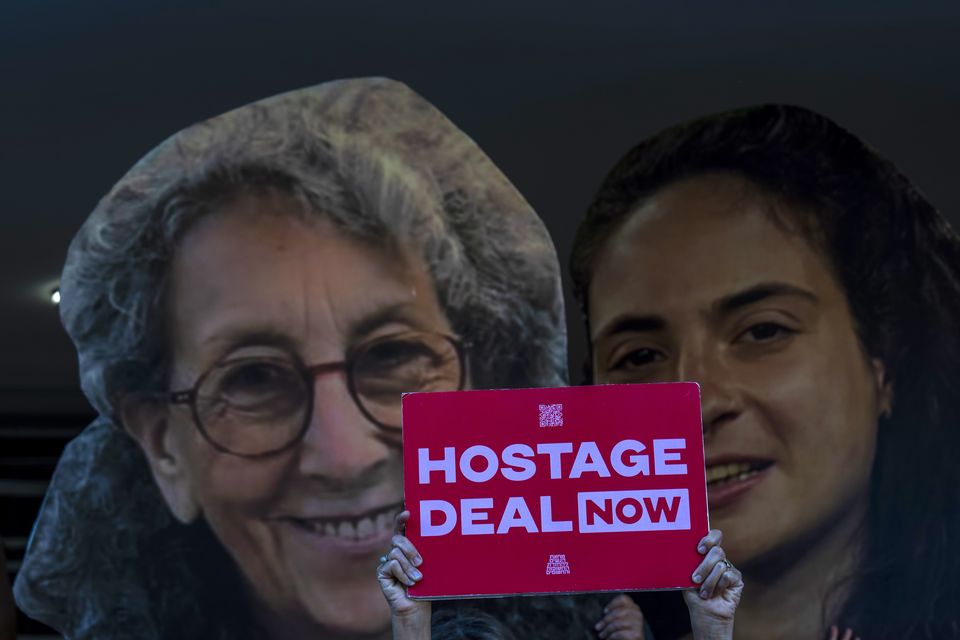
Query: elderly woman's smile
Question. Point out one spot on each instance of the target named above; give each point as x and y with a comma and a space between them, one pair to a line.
257, 289
356, 531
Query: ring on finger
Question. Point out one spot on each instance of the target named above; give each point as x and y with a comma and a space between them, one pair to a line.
726, 565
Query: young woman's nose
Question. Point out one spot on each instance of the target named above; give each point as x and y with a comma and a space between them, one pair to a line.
340, 444
719, 396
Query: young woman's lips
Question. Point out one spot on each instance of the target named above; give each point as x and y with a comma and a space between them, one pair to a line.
362, 534
730, 480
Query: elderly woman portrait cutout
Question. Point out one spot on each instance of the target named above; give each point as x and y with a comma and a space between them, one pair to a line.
248, 303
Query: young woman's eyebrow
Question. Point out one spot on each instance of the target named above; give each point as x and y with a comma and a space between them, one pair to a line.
759, 292
631, 324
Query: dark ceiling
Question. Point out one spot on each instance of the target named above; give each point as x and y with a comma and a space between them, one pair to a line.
553, 94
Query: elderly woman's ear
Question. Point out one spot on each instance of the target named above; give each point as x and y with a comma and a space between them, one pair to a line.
147, 419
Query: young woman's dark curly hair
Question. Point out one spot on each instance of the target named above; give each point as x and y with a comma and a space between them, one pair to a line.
898, 262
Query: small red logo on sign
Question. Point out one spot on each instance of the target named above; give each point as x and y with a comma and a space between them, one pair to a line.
558, 565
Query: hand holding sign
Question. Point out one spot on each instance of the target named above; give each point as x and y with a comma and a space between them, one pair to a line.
397, 570
714, 602
712, 607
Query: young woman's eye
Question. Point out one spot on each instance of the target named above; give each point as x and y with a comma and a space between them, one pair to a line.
637, 358
766, 332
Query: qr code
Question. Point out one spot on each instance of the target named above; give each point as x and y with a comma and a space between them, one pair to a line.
551, 415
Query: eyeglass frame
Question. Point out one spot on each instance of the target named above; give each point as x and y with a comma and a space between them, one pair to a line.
309, 374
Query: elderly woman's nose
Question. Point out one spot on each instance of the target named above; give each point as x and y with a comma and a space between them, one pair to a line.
340, 441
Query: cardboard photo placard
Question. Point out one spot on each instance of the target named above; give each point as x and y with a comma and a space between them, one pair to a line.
555, 490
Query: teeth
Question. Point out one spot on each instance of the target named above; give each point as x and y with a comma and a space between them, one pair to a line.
727, 472
366, 527
347, 530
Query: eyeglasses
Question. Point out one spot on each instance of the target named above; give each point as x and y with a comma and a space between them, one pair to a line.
261, 405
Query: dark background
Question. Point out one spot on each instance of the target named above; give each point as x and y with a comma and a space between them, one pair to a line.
554, 94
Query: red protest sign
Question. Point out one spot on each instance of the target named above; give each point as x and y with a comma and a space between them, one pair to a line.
555, 490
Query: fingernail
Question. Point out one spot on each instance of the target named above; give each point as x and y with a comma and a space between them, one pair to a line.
697, 578
416, 574
418, 561
703, 594
702, 548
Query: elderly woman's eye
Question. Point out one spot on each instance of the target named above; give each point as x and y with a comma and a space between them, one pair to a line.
256, 384
415, 363
397, 353
406, 357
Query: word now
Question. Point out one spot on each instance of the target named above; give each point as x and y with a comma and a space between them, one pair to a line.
654, 510
598, 512
519, 461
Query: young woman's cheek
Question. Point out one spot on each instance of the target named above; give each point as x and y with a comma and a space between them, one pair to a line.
783, 390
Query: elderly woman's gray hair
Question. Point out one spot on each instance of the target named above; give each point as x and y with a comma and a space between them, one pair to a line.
370, 155
380, 163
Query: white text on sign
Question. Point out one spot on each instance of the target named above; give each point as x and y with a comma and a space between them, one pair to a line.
597, 511
519, 462
607, 511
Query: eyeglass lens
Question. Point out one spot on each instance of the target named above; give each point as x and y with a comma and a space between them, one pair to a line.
255, 405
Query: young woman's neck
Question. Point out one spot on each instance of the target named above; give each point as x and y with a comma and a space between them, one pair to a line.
797, 593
